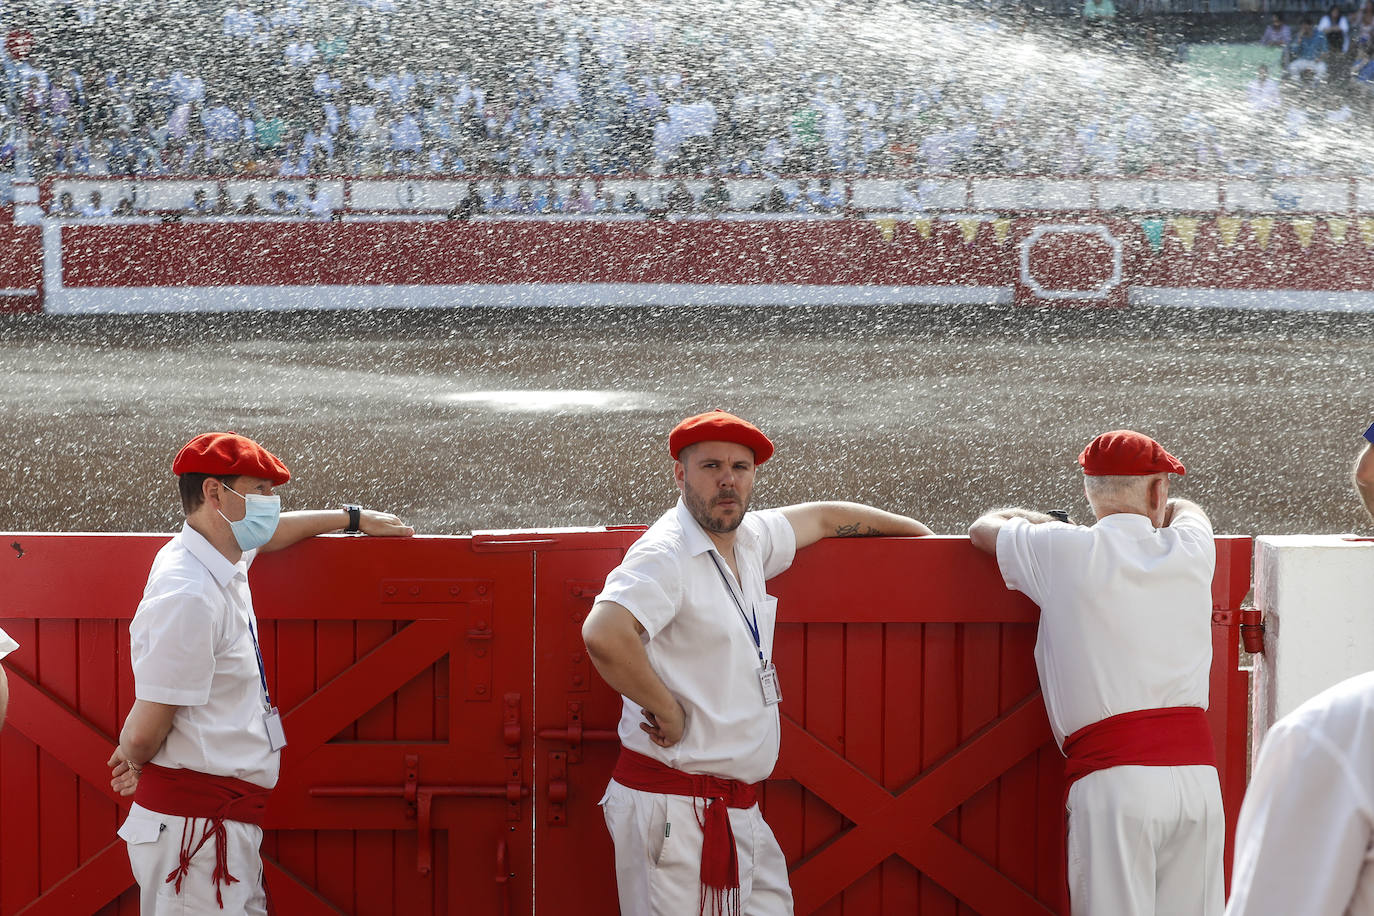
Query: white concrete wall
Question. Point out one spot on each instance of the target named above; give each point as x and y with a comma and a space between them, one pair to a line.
1317, 594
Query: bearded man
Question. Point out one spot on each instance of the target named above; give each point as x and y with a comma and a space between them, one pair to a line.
683, 630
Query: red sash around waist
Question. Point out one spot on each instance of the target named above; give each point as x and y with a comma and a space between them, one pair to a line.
192, 794
1173, 737
719, 857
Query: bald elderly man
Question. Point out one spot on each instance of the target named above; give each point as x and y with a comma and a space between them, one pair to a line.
684, 631
1124, 651
201, 747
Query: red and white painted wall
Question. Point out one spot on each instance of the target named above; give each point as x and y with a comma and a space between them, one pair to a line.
1240, 243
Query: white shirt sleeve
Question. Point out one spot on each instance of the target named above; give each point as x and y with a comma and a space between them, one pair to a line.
1195, 531
648, 584
1023, 557
1304, 831
7, 644
172, 643
777, 541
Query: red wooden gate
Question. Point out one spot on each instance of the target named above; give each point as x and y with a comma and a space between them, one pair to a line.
449, 739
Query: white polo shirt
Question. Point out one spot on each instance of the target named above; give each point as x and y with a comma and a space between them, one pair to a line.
1125, 612
698, 642
1305, 840
191, 648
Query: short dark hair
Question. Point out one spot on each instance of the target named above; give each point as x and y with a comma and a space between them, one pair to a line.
192, 488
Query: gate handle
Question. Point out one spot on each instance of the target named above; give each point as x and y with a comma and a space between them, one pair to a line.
503, 874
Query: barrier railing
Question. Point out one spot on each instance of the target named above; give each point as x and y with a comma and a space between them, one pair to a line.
449, 739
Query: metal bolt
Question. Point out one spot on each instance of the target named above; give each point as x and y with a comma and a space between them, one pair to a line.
481, 589
481, 653
577, 680
454, 590
481, 690
391, 589
481, 624
415, 590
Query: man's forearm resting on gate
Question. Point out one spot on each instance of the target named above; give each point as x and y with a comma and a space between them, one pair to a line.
813, 521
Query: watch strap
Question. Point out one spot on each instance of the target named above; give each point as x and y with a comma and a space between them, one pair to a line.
355, 516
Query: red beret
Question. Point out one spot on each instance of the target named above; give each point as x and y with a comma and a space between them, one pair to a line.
719, 426
1126, 453
229, 455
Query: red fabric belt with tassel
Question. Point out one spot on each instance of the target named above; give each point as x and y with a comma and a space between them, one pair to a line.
192, 795
719, 857
1173, 737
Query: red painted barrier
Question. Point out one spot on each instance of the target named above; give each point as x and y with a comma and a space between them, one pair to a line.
1230, 242
449, 739
21, 265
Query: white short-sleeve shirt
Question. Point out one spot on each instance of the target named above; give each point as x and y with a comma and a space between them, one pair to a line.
1305, 840
7, 644
699, 644
1125, 612
191, 647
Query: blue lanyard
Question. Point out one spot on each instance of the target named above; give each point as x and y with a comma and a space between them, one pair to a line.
262, 671
752, 627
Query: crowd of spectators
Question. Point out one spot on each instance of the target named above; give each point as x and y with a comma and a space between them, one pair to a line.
831, 88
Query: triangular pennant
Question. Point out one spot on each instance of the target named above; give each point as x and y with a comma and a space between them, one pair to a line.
887, 226
1154, 233
1228, 227
1367, 232
1263, 228
922, 227
1001, 228
1337, 229
970, 229
1185, 227
1304, 229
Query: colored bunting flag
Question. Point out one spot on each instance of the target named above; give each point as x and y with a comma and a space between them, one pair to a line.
1263, 228
1185, 227
1304, 229
1228, 227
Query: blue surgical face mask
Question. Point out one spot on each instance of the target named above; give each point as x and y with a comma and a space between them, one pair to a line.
259, 520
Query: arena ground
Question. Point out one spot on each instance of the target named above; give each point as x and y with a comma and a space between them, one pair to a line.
478, 419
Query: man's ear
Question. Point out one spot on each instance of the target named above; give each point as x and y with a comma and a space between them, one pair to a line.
679, 473
1159, 492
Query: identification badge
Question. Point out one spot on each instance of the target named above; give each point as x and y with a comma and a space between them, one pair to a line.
276, 735
768, 680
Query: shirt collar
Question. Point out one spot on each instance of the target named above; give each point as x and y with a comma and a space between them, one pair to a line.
695, 538
1128, 521
214, 561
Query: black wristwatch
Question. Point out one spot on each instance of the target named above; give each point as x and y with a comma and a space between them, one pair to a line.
355, 515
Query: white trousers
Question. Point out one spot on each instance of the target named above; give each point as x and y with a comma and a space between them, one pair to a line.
1147, 841
154, 842
658, 855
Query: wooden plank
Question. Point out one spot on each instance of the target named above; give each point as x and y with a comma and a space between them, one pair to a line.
87, 888
19, 815
939, 736
864, 702
99, 816
784, 801
979, 673
347, 687
291, 895
825, 721
58, 787
902, 691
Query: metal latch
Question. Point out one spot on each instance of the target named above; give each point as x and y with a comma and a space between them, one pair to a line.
1252, 630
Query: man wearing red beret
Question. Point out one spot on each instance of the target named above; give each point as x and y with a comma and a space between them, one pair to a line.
1124, 651
684, 631
201, 747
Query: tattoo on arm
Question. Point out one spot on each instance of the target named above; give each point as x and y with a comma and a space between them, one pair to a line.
856, 530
